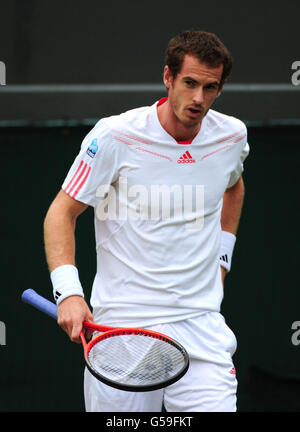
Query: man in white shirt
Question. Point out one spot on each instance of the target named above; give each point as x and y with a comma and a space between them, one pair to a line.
166, 185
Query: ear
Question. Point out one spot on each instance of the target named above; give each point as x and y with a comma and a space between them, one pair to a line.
167, 77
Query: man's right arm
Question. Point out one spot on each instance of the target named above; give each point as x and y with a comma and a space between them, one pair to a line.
59, 238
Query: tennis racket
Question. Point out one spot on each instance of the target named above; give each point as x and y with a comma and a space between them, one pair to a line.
130, 359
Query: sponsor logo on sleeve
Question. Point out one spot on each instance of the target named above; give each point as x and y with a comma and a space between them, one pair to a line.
93, 147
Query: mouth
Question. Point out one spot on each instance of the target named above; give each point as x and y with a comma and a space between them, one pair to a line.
194, 112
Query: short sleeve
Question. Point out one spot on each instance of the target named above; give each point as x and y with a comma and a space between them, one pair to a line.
96, 165
242, 151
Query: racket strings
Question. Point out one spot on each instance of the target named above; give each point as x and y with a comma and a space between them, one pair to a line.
136, 359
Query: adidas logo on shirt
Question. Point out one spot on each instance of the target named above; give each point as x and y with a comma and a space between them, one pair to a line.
186, 158
224, 258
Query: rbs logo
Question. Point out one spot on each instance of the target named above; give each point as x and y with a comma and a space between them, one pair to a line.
296, 75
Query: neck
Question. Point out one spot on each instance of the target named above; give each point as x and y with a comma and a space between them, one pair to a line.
174, 126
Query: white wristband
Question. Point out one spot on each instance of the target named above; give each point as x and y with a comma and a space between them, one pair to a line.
65, 281
227, 245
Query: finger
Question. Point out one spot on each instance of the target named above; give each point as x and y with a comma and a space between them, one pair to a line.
75, 333
65, 326
90, 318
89, 333
69, 327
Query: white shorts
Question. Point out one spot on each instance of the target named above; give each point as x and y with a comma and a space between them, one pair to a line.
209, 385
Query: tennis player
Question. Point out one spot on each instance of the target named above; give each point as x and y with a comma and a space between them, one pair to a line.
166, 185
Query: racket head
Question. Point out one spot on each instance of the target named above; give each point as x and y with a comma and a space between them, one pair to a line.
137, 360
173, 366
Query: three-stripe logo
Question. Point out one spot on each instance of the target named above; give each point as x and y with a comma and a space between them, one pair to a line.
78, 179
224, 258
186, 158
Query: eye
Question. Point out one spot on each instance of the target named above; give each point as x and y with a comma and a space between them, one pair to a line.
212, 87
189, 83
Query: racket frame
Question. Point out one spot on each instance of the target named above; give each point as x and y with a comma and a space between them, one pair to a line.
109, 332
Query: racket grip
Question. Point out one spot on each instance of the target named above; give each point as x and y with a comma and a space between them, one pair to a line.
34, 299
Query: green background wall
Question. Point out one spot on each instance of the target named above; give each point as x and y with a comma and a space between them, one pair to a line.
261, 293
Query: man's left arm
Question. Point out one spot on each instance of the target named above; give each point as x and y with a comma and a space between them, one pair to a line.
231, 211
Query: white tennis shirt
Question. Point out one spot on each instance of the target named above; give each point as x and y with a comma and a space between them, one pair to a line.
157, 214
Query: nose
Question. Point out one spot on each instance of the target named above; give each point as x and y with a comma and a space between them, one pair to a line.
198, 98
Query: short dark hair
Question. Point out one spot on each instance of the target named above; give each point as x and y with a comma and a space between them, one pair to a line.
207, 47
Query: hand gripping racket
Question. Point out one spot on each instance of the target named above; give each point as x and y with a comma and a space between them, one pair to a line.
130, 359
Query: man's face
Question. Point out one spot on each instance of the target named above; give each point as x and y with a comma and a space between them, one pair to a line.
193, 91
